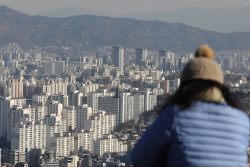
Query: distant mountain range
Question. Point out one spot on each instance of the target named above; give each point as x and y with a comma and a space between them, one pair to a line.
229, 19
97, 31
71, 11
225, 20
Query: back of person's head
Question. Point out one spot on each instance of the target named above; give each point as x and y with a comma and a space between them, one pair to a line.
202, 80
205, 51
202, 68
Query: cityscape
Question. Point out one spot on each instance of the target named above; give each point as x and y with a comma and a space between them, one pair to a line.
83, 106
65, 105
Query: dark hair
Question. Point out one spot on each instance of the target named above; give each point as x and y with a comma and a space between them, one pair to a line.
188, 90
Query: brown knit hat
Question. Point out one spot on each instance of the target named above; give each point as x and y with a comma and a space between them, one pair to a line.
202, 68
205, 51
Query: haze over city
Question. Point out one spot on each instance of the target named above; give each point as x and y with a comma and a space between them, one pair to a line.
118, 7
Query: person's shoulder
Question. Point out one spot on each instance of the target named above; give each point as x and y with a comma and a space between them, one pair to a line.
219, 108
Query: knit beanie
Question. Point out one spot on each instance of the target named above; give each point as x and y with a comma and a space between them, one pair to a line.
205, 51
202, 68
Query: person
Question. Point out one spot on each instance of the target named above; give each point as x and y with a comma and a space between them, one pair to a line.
200, 125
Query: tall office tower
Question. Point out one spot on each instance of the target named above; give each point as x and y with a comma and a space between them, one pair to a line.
16, 55
14, 64
238, 59
54, 67
54, 107
141, 55
163, 54
28, 135
69, 114
84, 140
92, 99
166, 65
82, 114
7, 58
118, 56
110, 105
177, 61
5, 104
105, 59
62, 144
183, 63
234, 62
77, 50
99, 61
15, 113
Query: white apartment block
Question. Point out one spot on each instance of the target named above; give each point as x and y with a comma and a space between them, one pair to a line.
82, 114
16, 89
43, 98
100, 123
5, 104
41, 111
59, 88
130, 108
149, 100
88, 87
138, 104
69, 114
55, 119
83, 140
62, 144
54, 107
75, 98
16, 156
39, 98
124, 106
92, 100
108, 144
51, 129
28, 135
64, 99
15, 113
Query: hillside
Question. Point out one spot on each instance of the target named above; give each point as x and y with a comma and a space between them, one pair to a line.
228, 19
96, 31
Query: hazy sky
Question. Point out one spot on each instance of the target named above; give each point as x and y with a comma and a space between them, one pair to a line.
113, 7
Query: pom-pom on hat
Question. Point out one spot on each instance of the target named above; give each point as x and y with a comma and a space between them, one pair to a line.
205, 51
202, 68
